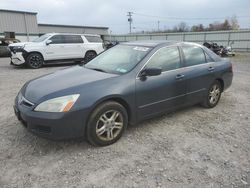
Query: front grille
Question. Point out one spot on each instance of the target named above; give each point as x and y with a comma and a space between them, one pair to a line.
22, 101
11, 48
27, 104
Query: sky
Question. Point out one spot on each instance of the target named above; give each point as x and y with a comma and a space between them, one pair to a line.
146, 13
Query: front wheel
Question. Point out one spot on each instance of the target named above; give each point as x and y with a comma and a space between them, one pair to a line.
34, 60
106, 124
213, 95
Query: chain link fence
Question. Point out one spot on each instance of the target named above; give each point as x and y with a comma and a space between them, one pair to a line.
239, 40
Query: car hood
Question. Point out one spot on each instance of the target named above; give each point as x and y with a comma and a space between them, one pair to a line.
20, 44
67, 79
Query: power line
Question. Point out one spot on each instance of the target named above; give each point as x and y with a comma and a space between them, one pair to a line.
185, 18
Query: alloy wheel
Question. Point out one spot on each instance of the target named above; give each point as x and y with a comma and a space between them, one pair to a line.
109, 125
214, 94
35, 61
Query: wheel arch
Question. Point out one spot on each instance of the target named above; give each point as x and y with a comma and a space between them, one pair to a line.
221, 82
117, 99
91, 50
28, 53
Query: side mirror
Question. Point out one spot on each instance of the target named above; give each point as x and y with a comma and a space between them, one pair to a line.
154, 71
48, 42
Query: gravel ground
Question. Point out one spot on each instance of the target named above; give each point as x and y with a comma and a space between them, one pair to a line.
193, 147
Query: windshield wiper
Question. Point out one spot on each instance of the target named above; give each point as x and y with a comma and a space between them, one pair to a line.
97, 69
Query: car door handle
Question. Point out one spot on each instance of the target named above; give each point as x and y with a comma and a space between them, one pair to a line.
211, 69
179, 76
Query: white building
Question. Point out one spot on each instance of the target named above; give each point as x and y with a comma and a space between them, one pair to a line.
23, 26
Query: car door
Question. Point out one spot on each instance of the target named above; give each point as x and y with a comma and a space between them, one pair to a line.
199, 72
166, 91
55, 49
73, 46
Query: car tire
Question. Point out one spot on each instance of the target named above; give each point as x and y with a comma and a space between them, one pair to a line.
106, 124
213, 95
89, 56
34, 60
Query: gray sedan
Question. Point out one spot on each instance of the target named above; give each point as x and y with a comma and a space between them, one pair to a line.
126, 84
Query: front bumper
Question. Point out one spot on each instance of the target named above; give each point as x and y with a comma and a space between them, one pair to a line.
17, 58
54, 126
231, 53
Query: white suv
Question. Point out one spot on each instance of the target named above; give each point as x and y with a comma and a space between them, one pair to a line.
56, 47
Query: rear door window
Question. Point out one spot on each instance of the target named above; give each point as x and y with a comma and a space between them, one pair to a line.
214, 56
95, 39
208, 58
194, 55
73, 39
167, 58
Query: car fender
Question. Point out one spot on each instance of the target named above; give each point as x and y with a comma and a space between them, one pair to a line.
121, 100
39, 48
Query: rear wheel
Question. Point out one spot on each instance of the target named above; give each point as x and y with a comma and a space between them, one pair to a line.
34, 60
106, 124
213, 95
89, 56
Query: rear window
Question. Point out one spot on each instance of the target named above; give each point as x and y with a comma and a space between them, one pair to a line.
94, 39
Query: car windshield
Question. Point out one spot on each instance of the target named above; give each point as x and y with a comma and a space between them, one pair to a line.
41, 38
119, 59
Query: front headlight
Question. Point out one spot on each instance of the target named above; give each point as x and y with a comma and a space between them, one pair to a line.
59, 104
18, 48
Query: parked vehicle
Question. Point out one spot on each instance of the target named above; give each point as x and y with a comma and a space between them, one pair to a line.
4, 42
56, 48
219, 50
126, 84
227, 51
110, 44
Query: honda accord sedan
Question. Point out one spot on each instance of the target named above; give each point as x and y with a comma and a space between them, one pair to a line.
126, 84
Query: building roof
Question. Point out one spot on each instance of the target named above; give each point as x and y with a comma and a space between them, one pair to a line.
17, 11
76, 26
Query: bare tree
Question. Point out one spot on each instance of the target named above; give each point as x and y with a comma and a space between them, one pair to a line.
226, 25
217, 26
234, 23
198, 27
181, 27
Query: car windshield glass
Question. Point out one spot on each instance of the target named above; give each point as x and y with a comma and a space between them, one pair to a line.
41, 38
119, 59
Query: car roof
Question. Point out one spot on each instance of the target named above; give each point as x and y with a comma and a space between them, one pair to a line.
155, 43
74, 34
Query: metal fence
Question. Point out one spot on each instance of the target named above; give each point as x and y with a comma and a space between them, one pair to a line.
239, 40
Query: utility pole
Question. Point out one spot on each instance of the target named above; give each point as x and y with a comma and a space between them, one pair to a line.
110, 33
26, 27
158, 25
130, 20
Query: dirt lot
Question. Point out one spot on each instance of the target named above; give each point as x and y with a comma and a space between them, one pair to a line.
194, 147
